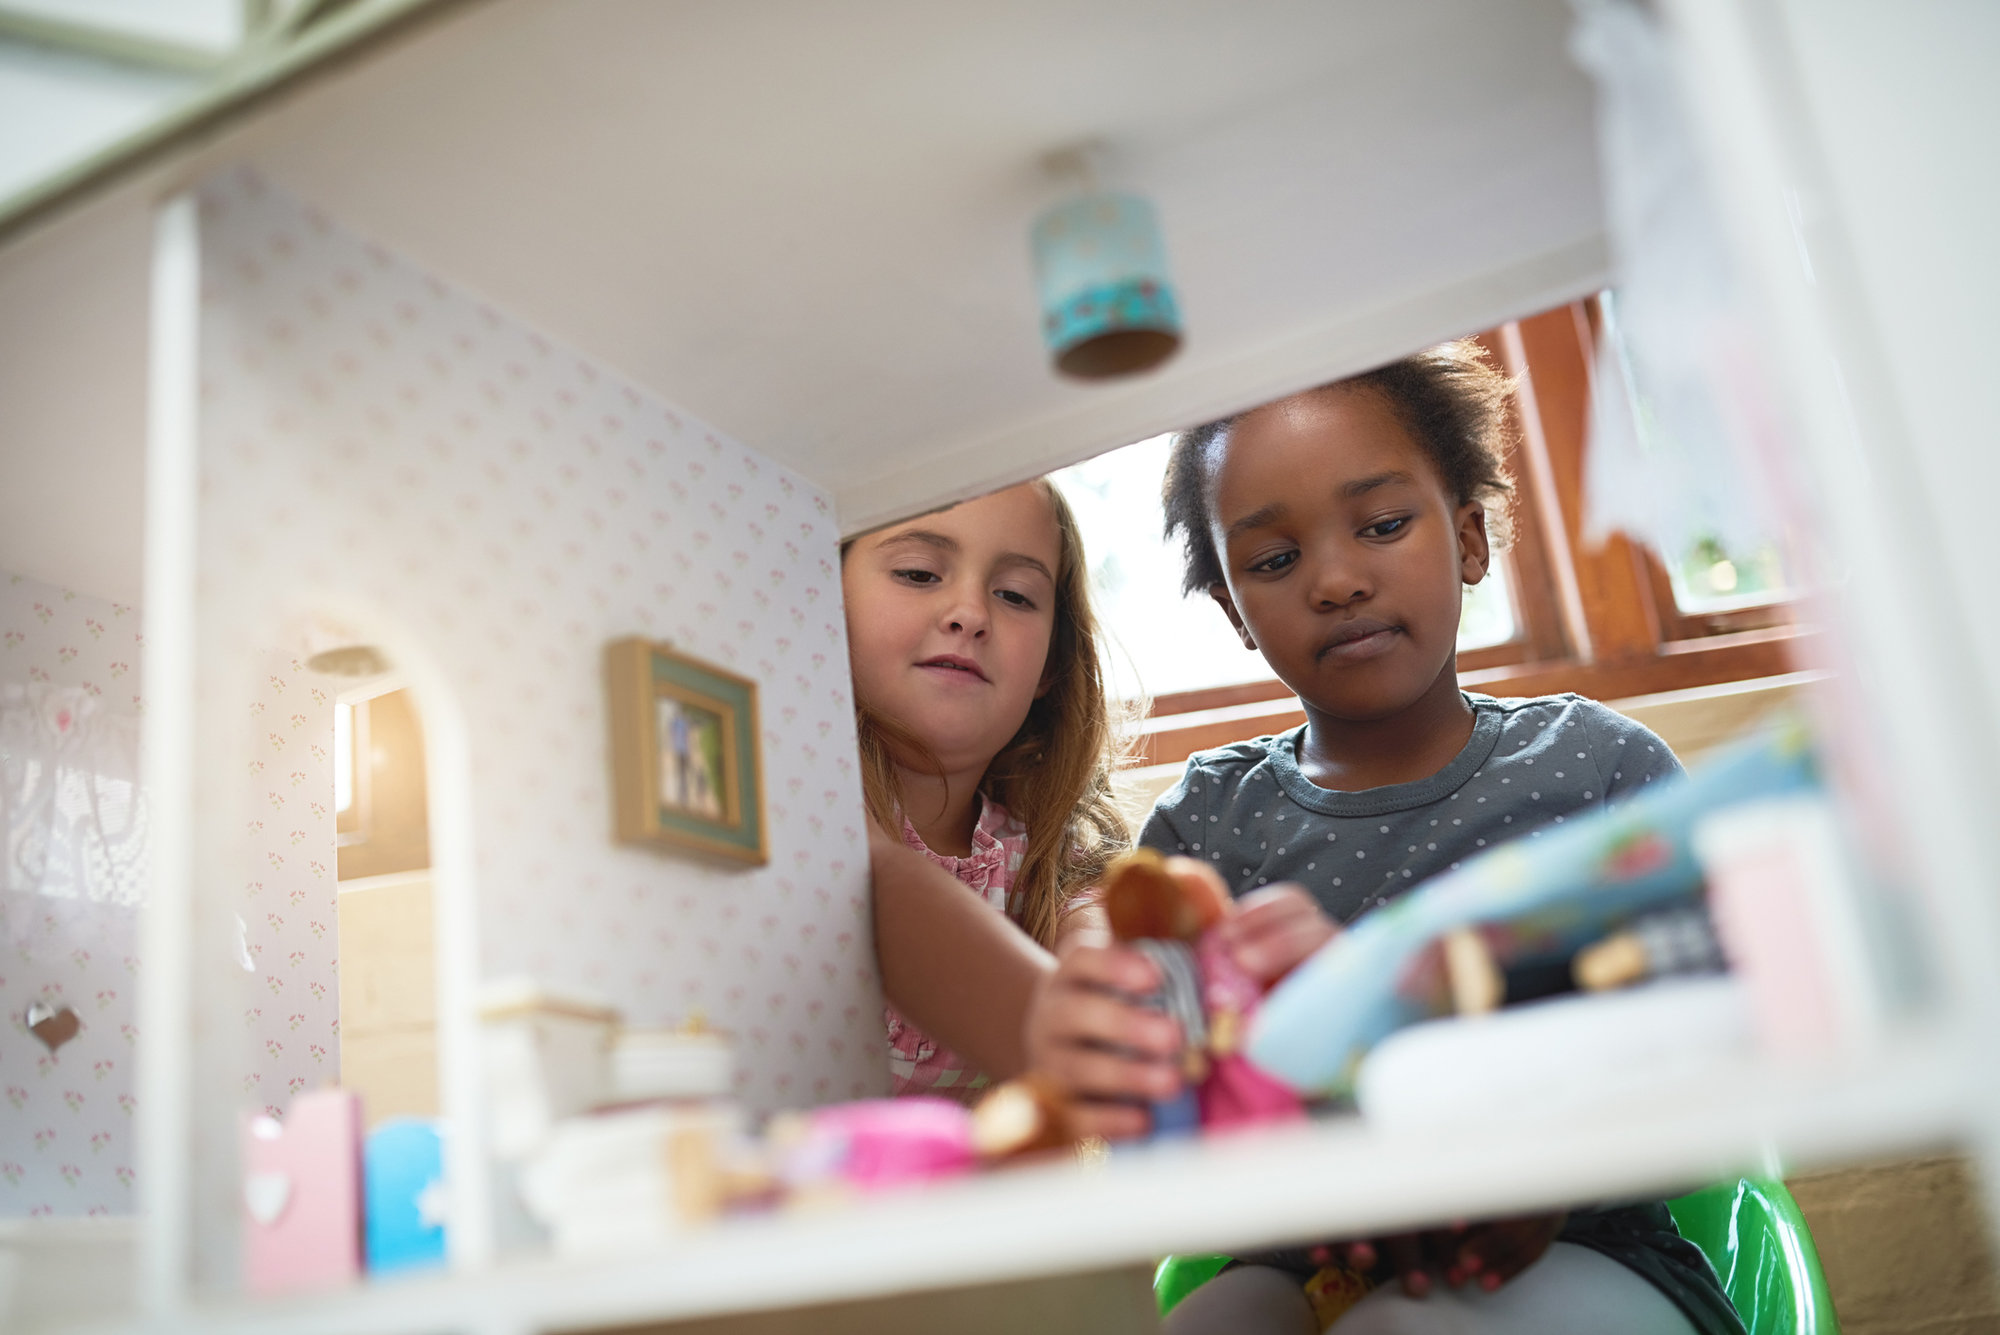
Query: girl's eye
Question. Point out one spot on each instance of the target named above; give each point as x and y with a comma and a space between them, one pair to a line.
1015, 597
916, 576
1385, 528
1271, 565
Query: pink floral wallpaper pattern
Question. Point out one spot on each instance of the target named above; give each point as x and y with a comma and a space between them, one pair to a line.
66, 1128
289, 953
66, 1123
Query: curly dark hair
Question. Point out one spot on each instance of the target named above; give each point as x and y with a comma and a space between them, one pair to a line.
1450, 398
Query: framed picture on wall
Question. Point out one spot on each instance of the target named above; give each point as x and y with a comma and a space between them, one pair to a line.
684, 761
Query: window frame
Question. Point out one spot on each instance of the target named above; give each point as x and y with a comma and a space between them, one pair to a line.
1598, 620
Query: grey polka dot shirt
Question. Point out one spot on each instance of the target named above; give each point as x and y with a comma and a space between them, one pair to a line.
1248, 810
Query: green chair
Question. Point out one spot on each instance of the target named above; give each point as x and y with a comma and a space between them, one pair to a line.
1750, 1230
1753, 1234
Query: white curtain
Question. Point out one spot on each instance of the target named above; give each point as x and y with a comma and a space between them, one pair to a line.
1694, 460
72, 816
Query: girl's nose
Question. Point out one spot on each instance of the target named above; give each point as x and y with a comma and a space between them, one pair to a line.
1338, 581
966, 614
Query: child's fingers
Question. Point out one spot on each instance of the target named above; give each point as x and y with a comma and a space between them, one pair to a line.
1275, 945
1095, 1019
1111, 967
1274, 908
1260, 910
1404, 1254
1269, 958
1493, 1254
1090, 1073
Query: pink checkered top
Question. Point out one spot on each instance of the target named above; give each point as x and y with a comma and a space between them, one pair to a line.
918, 1063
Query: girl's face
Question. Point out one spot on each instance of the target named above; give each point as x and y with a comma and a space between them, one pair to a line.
1344, 556
949, 619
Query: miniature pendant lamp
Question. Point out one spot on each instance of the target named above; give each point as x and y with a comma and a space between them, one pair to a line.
1107, 306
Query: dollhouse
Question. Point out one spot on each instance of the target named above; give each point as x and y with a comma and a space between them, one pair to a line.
495, 332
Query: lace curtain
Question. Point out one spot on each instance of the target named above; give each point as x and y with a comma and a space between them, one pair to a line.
72, 816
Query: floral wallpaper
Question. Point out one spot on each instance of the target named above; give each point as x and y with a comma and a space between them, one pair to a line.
380, 447
289, 954
66, 1130
66, 1126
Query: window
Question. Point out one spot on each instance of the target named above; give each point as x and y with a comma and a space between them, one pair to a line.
381, 808
1557, 614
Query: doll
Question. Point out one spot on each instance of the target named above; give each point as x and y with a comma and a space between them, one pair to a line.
1168, 908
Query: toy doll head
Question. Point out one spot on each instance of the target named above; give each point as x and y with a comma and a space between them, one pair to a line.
1149, 897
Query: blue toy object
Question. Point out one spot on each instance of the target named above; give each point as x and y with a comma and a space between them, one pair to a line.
403, 1187
1533, 899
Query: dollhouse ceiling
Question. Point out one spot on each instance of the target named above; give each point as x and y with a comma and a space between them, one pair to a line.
807, 223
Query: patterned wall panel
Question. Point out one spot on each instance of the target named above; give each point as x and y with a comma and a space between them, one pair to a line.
68, 663
73, 664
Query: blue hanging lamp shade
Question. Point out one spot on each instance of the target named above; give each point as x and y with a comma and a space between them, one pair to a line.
1107, 305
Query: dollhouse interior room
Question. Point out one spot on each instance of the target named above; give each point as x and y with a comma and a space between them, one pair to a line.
436, 890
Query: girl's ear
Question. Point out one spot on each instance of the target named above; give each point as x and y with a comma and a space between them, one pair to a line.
1475, 554
1220, 592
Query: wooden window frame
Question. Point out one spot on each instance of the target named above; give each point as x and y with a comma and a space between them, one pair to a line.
1598, 620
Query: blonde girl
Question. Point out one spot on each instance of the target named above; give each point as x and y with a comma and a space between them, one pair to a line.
987, 752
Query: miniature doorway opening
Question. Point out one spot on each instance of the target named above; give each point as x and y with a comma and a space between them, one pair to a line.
346, 865
336, 934
384, 905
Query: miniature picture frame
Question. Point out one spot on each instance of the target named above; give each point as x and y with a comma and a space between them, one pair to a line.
686, 773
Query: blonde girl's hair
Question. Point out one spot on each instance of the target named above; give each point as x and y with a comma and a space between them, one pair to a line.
1054, 776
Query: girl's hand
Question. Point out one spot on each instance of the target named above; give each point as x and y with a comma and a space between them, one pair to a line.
1109, 1056
1492, 1253
1487, 1254
1274, 929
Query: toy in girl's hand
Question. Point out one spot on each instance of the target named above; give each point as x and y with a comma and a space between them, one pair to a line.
1171, 910
1443, 947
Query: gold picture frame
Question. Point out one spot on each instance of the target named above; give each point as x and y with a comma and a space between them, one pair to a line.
685, 764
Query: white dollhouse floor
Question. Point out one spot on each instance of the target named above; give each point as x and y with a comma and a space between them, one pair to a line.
1333, 1178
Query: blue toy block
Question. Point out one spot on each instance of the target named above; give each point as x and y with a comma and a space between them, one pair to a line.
403, 1186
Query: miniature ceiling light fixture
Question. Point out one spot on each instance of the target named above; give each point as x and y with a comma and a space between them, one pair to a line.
338, 652
1107, 306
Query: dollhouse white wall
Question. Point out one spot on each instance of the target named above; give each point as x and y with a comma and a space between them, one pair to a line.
496, 508
66, 1140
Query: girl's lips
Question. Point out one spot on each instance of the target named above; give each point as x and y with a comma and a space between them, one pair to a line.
953, 664
1359, 641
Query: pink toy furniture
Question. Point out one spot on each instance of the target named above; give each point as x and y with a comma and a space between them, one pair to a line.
302, 1195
